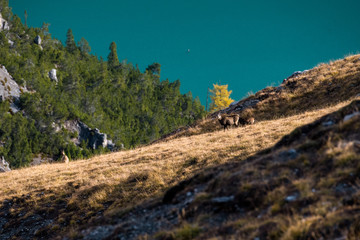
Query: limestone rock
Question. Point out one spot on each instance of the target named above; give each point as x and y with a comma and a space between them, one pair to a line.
37, 40
11, 43
93, 137
4, 25
4, 166
52, 75
9, 89
40, 159
295, 74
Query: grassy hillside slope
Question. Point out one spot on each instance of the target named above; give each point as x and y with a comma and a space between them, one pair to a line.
323, 86
54, 199
305, 187
292, 175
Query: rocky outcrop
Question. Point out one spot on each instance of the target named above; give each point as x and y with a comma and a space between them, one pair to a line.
295, 74
239, 106
40, 159
4, 25
37, 40
52, 75
9, 89
4, 166
93, 137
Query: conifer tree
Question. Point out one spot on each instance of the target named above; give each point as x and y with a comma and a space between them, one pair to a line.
70, 42
154, 68
84, 46
220, 97
25, 15
113, 60
5, 10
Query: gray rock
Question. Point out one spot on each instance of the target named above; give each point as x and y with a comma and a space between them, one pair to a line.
234, 103
11, 43
40, 159
295, 74
350, 116
111, 145
328, 123
100, 232
4, 25
14, 108
4, 166
93, 137
9, 90
52, 75
288, 154
223, 199
37, 40
291, 198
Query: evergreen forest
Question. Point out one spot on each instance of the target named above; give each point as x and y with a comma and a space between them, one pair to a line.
131, 106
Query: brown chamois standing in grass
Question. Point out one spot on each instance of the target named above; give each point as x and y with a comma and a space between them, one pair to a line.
246, 121
250, 121
228, 120
64, 158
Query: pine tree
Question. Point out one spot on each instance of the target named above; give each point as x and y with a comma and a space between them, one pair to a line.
220, 97
70, 42
25, 15
84, 46
113, 60
5, 10
154, 68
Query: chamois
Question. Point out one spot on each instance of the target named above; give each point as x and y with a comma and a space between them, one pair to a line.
229, 120
246, 121
64, 158
250, 120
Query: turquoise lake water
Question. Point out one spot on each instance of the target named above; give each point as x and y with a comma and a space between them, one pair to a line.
248, 45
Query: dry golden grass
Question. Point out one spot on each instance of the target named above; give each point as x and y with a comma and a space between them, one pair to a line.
150, 168
323, 86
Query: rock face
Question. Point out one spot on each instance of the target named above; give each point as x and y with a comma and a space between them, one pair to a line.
4, 166
9, 89
52, 75
295, 74
240, 106
93, 137
4, 25
40, 159
37, 40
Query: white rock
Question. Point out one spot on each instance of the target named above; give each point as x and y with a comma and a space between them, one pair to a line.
9, 89
52, 75
291, 198
37, 40
10, 42
4, 166
4, 25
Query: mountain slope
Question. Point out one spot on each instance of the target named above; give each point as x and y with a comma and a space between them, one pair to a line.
67, 84
64, 197
305, 187
322, 86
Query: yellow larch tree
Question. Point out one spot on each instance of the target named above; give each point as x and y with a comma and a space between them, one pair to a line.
220, 97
